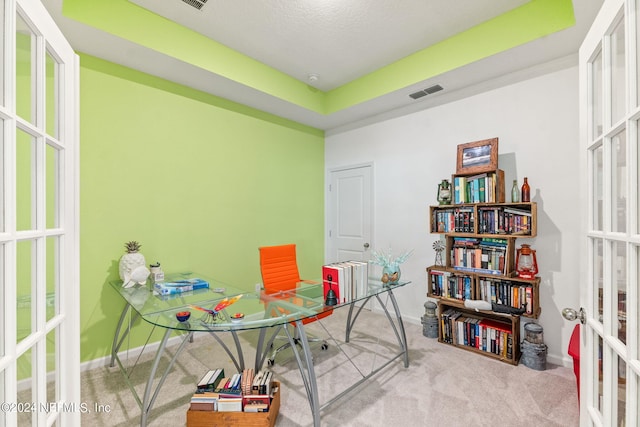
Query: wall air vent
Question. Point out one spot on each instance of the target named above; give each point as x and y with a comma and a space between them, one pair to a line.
195, 3
425, 92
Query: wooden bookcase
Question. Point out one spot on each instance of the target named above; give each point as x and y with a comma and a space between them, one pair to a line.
480, 263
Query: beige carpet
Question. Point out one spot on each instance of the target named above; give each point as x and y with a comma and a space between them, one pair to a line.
443, 386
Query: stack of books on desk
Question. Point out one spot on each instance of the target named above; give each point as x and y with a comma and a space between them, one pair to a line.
348, 279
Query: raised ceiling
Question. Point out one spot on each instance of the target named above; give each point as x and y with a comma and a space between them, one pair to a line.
367, 57
337, 40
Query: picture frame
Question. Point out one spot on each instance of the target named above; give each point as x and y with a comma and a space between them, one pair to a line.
477, 157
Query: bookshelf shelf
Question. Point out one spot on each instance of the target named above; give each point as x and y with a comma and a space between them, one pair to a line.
482, 332
486, 287
480, 262
486, 219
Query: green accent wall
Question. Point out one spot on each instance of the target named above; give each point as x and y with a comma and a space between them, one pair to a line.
200, 181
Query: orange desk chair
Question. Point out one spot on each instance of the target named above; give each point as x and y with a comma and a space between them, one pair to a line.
279, 268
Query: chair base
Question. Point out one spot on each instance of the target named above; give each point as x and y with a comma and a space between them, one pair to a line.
272, 359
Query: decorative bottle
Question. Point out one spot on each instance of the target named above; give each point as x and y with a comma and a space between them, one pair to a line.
526, 191
515, 192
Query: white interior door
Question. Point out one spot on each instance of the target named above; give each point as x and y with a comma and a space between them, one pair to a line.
610, 129
39, 285
350, 214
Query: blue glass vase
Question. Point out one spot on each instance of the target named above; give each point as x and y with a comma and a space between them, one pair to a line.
391, 274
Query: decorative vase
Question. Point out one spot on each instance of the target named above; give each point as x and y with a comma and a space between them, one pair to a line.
131, 260
390, 274
526, 191
515, 192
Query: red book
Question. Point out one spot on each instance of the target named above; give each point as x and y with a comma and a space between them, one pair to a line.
331, 280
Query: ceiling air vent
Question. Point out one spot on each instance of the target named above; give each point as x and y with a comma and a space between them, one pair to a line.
427, 91
195, 3
418, 94
433, 89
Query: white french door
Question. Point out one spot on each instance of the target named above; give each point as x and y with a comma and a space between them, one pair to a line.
610, 135
39, 284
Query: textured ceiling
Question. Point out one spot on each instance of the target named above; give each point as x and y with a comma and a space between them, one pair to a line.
338, 40
369, 56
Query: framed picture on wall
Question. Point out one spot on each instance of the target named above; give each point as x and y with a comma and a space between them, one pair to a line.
477, 157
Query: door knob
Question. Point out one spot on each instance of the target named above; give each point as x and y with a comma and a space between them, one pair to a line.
366, 246
571, 314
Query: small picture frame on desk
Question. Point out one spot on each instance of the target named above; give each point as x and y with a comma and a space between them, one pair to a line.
478, 156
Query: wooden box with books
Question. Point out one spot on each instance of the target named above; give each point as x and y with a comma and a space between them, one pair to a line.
490, 334
487, 187
237, 419
505, 220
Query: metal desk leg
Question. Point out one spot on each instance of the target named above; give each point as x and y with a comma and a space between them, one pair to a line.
401, 335
149, 399
261, 353
115, 346
350, 321
306, 370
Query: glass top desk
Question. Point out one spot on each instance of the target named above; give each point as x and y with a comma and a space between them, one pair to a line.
269, 313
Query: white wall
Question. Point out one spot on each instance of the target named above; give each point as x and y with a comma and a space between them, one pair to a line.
536, 122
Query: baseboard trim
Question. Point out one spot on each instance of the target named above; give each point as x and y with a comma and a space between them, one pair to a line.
102, 362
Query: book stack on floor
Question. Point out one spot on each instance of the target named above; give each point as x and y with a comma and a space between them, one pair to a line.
242, 399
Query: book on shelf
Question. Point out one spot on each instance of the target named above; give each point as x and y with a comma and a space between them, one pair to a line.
231, 387
507, 293
210, 380
504, 220
247, 381
256, 402
483, 334
262, 383
479, 255
230, 404
204, 401
481, 188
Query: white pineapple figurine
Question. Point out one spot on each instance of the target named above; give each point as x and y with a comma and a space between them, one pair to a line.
132, 264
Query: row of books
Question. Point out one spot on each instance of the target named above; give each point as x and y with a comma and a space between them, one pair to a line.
458, 220
485, 335
242, 392
179, 286
348, 279
480, 255
445, 284
479, 188
504, 292
504, 220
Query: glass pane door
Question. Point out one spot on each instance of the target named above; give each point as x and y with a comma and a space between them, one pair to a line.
39, 344
610, 80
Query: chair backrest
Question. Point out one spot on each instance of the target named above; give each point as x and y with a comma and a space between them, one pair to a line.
279, 267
